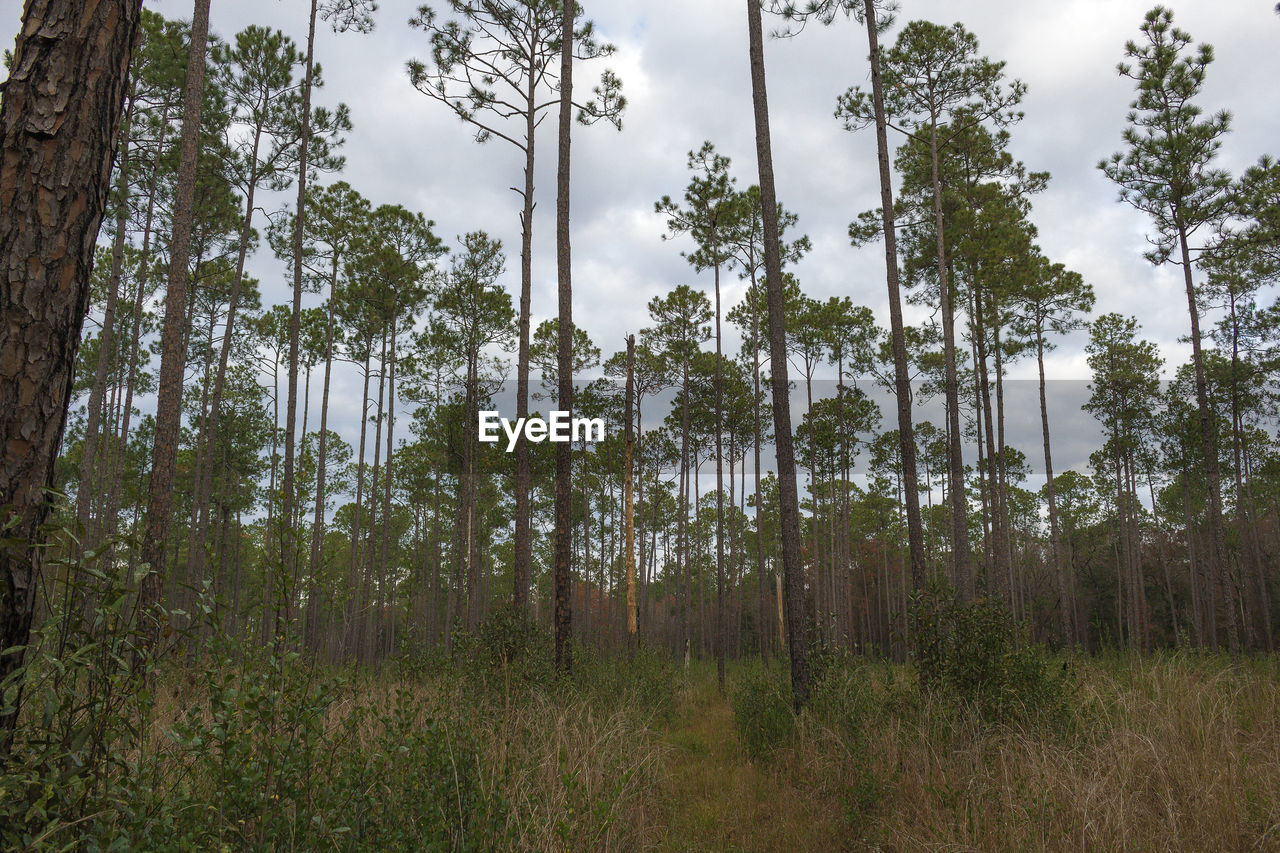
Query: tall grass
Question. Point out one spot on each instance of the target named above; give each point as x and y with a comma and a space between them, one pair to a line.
1171, 752
246, 749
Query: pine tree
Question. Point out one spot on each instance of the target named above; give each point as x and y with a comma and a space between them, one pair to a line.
1167, 173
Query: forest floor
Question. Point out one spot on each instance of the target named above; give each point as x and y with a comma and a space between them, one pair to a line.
719, 799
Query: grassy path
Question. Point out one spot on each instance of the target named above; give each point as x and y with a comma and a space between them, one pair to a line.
719, 799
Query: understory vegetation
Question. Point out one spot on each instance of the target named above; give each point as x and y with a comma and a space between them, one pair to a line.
221, 745
213, 745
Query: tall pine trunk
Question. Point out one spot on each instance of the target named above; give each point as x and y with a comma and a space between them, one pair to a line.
902, 380
106, 348
960, 562
720, 617
1209, 447
1065, 631
172, 339
564, 292
311, 628
627, 497
288, 531
523, 544
788, 498
209, 433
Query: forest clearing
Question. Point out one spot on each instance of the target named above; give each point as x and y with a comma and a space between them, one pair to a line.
416, 432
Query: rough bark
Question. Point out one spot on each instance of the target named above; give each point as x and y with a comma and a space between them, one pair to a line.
59, 120
173, 354
172, 349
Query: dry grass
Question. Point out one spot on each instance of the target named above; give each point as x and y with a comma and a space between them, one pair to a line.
1173, 752
1166, 753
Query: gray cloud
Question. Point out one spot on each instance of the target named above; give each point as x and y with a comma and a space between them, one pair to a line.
685, 72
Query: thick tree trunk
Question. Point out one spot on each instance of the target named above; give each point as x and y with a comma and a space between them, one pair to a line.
59, 119
789, 508
172, 340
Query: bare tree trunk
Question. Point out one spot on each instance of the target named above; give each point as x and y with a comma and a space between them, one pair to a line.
564, 257
173, 352
629, 506
106, 350
288, 532
209, 432
982, 381
755, 420
108, 527
682, 519
959, 510
350, 634
310, 635
902, 381
386, 500
367, 623
523, 544
1209, 446
788, 502
1066, 632
720, 616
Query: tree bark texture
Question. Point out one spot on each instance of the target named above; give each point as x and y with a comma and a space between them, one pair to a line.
58, 125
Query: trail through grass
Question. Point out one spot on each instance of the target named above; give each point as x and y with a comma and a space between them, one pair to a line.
718, 799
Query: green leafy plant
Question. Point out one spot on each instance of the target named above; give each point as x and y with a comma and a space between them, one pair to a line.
761, 702
973, 654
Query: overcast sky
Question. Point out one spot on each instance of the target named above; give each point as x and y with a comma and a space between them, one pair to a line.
685, 73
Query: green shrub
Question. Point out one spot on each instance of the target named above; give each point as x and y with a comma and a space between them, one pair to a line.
85, 706
762, 712
974, 654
